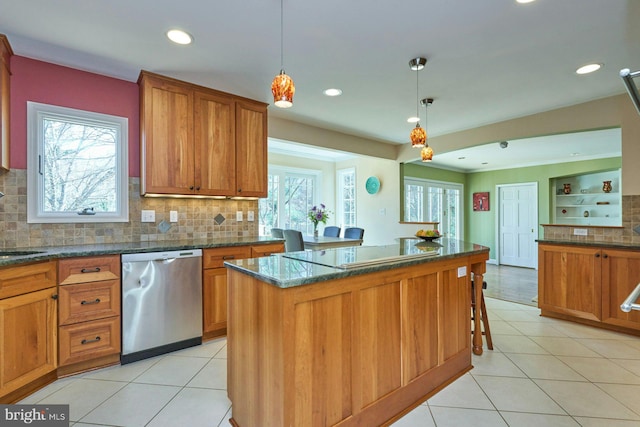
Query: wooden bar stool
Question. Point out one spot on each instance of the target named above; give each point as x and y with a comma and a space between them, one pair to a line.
483, 313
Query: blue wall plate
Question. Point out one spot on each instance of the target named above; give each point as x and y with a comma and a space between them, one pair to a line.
372, 185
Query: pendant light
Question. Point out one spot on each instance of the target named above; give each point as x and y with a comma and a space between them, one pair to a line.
426, 154
282, 86
418, 135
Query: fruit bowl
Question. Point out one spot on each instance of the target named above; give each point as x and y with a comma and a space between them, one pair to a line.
428, 238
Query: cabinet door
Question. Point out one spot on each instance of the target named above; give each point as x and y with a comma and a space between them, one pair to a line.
5, 54
27, 338
215, 151
166, 137
620, 276
258, 251
214, 297
569, 280
251, 149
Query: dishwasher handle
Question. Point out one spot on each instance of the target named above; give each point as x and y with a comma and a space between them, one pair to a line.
629, 303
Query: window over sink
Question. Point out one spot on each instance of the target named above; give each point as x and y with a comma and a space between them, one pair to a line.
77, 166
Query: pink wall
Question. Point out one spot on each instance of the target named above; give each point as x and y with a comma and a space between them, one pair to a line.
38, 81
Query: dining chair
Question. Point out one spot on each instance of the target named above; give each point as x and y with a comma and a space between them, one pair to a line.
353, 233
332, 231
293, 241
277, 232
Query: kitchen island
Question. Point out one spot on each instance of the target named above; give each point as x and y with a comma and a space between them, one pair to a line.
349, 336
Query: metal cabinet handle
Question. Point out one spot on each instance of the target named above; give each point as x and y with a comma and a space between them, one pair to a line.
605, 256
96, 339
96, 301
598, 255
54, 296
226, 257
191, 187
90, 270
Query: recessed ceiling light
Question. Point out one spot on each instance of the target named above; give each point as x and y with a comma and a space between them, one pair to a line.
461, 158
332, 92
179, 37
413, 119
485, 163
589, 68
525, 1
574, 154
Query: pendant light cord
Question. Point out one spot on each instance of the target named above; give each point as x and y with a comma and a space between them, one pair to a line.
417, 97
281, 35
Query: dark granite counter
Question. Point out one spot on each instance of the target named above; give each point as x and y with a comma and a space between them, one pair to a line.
52, 252
306, 267
608, 245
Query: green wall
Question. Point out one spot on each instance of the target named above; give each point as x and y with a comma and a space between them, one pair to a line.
480, 227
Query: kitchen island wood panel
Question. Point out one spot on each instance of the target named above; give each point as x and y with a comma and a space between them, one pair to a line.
359, 350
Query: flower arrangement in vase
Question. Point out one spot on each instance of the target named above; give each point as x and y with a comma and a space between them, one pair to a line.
318, 214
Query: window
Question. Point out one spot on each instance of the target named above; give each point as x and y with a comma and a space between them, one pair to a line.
346, 183
291, 193
77, 166
434, 201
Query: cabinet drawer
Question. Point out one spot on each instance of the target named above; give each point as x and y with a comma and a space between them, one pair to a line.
89, 301
88, 269
89, 340
22, 279
266, 250
215, 257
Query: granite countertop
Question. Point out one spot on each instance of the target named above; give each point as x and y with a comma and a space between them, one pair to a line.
53, 252
292, 269
610, 245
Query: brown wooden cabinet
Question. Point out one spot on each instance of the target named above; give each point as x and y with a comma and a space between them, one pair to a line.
588, 284
28, 328
89, 313
199, 141
569, 280
5, 115
214, 282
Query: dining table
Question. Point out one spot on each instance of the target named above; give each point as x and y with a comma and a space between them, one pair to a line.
326, 242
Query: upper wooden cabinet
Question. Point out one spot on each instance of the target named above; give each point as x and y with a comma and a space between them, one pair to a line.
199, 141
5, 73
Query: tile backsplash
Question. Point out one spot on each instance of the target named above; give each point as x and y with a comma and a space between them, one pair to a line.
197, 219
629, 233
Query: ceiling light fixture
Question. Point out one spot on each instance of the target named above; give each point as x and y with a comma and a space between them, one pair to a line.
332, 92
179, 37
525, 1
413, 119
418, 135
589, 68
426, 154
282, 86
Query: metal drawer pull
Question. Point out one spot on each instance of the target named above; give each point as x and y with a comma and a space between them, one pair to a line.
629, 303
226, 257
96, 301
90, 270
96, 339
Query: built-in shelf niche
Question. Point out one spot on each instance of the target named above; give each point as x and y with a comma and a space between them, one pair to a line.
588, 203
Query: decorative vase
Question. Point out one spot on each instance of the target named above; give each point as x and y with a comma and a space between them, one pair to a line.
315, 231
606, 186
567, 189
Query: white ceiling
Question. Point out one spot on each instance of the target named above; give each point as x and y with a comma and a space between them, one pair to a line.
489, 60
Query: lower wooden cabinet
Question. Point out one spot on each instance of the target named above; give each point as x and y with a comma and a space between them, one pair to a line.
588, 284
28, 326
214, 282
89, 313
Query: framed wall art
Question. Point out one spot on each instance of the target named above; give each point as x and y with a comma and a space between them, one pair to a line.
481, 201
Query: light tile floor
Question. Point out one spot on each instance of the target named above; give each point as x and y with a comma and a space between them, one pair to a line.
542, 372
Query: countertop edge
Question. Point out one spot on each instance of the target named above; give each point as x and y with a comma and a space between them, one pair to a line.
338, 273
610, 245
60, 252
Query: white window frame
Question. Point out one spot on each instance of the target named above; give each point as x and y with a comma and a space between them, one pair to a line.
282, 172
340, 214
426, 183
35, 182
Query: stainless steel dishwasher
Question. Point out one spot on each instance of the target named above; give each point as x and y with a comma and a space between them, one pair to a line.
161, 303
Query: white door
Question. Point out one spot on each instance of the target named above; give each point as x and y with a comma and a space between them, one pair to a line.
518, 224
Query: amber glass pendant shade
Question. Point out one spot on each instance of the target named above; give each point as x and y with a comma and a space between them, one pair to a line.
283, 90
418, 136
426, 154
